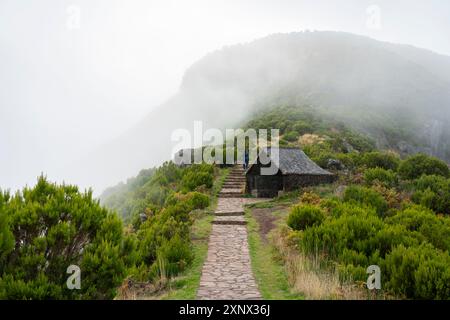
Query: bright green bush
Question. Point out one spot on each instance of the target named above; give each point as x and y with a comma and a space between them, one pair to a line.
366, 196
302, 128
162, 243
419, 272
173, 256
435, 230
7, 240
413, 218
433, 192
305, 216
391, 236
421, 164
291, 136
353, 258
196, 176
351, 232
164, 239
339, 209
198, 200
350, 272
194, 200
54, 227
153, 187
384, 160
411, 247
385, 177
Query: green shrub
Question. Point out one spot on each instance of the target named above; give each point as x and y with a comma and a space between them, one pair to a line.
347, 159
384, 160
418, 272
411, 246
354, 258
421, 164
433, 192
387, 178
391, 236
432, 278
346, 232
302, 128
196, 176
366, 196
7, 240
350, 272
416, 219
291, 136
339, 209
194, 200
55, 227
304, 216
172, 257
198, 200
412, 218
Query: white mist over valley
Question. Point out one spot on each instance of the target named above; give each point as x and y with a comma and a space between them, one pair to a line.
96, 103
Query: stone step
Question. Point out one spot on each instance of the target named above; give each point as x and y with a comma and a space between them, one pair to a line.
230, 220
229, 214
231, 191
231, 195
234, 186
240, 190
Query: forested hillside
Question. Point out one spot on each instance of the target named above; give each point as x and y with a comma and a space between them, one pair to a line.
383, 209
49, 227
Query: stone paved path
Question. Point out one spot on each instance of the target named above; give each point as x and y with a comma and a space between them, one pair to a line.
227, 272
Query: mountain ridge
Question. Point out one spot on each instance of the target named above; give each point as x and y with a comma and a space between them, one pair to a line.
397, 94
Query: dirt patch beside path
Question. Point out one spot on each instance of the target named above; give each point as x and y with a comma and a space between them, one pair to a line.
266, 219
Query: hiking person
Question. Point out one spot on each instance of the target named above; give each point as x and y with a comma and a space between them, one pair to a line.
246, 160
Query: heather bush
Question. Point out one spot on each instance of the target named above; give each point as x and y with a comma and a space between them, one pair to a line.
366, 196
384, 160
385, 177
433, 192
304, 216
49, 227
421, 164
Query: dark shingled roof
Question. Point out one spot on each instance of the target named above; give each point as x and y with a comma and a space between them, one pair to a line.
295, 161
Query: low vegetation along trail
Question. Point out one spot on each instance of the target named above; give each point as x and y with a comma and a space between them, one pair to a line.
227, 272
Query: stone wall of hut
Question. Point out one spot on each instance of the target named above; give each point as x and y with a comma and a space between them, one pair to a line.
264, 186
294, 182
269, 186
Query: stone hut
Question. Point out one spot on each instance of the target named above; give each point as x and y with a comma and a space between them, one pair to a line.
293, 170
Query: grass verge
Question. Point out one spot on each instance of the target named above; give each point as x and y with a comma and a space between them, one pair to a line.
184, 286
269, 273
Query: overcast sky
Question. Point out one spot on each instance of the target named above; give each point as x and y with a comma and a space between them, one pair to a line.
75, 74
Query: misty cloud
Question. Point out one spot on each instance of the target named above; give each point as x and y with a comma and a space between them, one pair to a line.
96, 103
